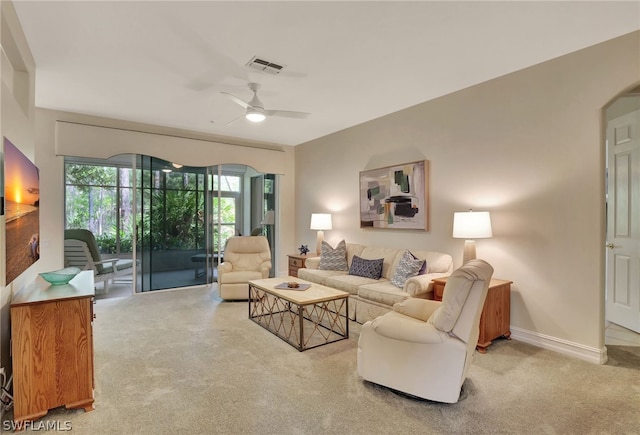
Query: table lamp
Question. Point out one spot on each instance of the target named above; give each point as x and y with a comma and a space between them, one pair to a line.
471, 225
269, 218
320, 222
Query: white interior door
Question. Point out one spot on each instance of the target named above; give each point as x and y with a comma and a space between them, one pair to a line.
623, 221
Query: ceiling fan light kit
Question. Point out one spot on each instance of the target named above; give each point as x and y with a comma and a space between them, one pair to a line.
254, 115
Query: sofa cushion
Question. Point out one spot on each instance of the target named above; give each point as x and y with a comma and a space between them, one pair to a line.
318, 276
408, 266
241, 276
382, 292
391, 258
366, 268
333, 258
349, 283
354, 249
437, 262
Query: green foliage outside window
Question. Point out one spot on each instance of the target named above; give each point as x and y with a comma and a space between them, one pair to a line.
175, 220
100, 198
91, 202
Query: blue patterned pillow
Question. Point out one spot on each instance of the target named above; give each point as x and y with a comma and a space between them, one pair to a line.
408, 266
333, 259
366, 268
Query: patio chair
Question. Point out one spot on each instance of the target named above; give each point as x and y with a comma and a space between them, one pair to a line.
81, 250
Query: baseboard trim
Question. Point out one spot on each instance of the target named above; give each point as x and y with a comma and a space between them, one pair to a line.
565, 347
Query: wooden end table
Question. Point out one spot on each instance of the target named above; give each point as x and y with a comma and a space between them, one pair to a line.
297, 261
496, 313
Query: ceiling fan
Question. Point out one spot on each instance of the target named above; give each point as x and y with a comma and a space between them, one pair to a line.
255, 109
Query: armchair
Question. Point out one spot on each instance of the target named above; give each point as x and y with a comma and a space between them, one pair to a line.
423, 347
245, 258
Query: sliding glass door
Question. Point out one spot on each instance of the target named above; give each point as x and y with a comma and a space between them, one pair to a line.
174, 220
171, 236
225, 211
243, 203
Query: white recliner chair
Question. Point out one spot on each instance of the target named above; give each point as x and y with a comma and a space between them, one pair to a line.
423, 347
245, 258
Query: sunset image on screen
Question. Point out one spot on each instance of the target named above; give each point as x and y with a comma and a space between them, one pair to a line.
22, 200
21, 180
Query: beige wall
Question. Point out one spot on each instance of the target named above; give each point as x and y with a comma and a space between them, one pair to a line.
528, 148
17, 124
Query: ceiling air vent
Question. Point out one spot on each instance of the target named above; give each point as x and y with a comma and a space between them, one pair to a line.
264, 65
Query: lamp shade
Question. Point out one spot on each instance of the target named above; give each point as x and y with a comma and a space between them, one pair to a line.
472, 225
320, 221
269, 218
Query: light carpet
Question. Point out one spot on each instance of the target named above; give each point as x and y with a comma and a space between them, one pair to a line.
185, 362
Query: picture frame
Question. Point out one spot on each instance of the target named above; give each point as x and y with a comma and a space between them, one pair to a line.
395, 197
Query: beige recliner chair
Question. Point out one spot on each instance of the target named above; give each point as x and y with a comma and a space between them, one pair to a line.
423, 347
245, 258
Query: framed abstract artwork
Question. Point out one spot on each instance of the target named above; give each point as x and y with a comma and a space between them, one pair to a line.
395, 197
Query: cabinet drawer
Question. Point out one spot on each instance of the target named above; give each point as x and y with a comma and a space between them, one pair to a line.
295, 262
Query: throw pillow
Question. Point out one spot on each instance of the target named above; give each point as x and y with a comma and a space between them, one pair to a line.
333, 259
408, 266
366, 268
423, 269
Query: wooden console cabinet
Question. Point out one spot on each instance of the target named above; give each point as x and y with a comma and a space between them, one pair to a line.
496, 314
52, 347
297, 261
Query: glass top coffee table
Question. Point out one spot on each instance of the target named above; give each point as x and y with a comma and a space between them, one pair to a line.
303, 318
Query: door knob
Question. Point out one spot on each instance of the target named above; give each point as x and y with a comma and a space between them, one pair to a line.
610, 245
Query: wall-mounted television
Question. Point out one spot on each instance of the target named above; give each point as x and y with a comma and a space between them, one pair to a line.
21, 208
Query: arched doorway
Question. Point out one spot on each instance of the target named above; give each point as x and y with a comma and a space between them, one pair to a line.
622, 258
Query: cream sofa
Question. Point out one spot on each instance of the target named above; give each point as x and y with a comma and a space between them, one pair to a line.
370, 298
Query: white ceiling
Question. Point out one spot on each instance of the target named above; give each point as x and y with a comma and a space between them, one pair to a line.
166, 62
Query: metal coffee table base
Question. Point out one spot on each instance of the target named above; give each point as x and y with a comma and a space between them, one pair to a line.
303, 326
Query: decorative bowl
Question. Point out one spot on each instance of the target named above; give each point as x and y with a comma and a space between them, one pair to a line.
60, 277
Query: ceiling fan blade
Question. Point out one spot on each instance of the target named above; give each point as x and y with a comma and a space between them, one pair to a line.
287, 113
237, 100
234, 120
